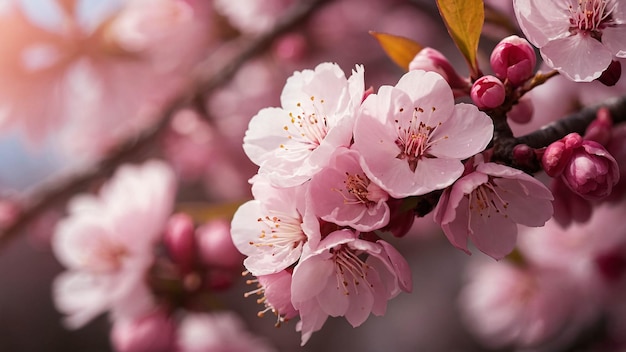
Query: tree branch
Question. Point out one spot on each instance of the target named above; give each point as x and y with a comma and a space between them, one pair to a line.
206, 80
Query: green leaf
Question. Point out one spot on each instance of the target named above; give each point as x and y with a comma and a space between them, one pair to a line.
464, 20
399, 49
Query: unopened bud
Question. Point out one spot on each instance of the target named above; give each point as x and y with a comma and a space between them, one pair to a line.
600, 129
513, 59
522, 112
558, 154
488, 92
215, 245
592, 172
429, 59
180, 241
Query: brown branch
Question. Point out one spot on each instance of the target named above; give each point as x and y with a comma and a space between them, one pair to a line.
59, 191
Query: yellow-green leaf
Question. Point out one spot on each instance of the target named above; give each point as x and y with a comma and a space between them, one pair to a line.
464, 20
399, 49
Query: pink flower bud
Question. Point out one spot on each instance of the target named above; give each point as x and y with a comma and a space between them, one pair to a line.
152, 333
522, 112
180, 241
429, 59
488, 92
513, 59
558, 154
600, 129
592, 171
216, 246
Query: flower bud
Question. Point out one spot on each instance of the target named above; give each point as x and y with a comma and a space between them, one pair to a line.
558, 154
180, 241
513, 59
522, 112
600, 129
592, 172
216, 246
152, 333
429, 59
488, 92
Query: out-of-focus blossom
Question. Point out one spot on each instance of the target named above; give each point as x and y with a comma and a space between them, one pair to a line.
505, 305
569, 207
522, 112
412, 137
487, 204
215, 245
513, 59
334, 280
600, 129
578, 38
107, 244
271, 229
71, 66
154, 332
429, 59
487, 92
251, 16
292, 143
341, 193
222, 331
180, 241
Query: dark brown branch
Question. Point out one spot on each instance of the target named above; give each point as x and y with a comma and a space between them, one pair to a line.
576, 122
59, 191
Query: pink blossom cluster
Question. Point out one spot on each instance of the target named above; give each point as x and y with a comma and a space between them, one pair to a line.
335, 162
153, 272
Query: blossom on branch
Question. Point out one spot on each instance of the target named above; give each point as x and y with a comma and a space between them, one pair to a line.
335, 280
107, 244
293, 142
487, 204
412, 137
579, 38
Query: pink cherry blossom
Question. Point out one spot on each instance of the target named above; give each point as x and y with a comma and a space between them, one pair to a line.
487, 204
272, 229
579, 38
251, 16
292, 143
223, 331
107, 244
412, 137
343, 194
507, 305
335, 280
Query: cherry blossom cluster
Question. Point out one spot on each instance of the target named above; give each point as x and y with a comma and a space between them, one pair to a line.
153, 272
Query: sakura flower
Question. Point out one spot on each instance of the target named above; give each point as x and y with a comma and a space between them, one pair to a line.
271, 229
506, 305
412, 137
579, 38
342, 193
252, 16
222, 331
487, 204
293, 142
107, 244
335, 280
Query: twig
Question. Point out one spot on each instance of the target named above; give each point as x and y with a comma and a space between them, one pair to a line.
59, 191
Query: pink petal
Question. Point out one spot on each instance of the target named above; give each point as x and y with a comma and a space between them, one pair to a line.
541, 21
310, 277
495, 236
466, 133
580, 58
614, 38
